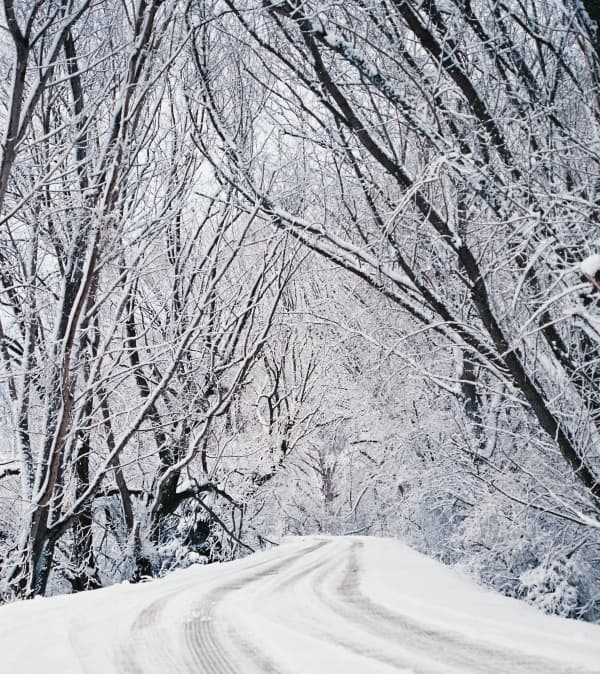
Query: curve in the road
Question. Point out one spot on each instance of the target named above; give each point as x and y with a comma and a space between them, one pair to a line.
205, 648
313, 592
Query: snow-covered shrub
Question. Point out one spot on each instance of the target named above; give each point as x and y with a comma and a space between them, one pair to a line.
188, 543
553, 586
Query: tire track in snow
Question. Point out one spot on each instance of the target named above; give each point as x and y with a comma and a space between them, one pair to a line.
315, 591
448, 647
202, 635
147, 626
147, 634
204, 644
308, 580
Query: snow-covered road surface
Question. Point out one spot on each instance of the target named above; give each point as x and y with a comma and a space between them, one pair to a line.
313, 605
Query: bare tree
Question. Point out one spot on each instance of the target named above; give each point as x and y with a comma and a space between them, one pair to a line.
455, 179
135, 299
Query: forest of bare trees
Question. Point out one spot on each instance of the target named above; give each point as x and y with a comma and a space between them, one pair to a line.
286, 267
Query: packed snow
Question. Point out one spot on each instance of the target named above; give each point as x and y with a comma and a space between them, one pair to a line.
317, 604
590, 266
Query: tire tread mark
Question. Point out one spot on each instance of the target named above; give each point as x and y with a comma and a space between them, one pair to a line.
203, 640
324, 634
451, 646
128, 662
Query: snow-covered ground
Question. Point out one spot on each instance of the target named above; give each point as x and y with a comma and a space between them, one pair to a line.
312, 605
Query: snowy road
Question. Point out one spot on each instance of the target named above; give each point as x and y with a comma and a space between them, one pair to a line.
313, 605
